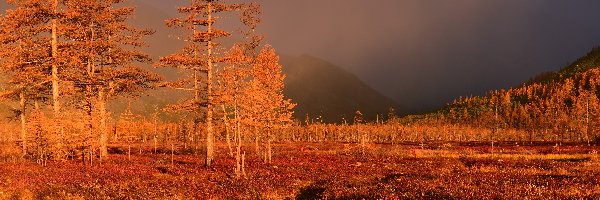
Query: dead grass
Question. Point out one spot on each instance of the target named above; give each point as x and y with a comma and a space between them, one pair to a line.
320, 170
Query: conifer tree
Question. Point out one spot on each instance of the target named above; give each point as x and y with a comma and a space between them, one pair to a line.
270, 107
231, 85
105, 57
200, 56
24, 52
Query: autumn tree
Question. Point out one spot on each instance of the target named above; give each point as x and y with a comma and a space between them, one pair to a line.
231, 85
233, 81
201, 56
24, 40
105, 57
271, 110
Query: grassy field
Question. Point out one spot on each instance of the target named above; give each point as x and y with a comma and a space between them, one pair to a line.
321, 171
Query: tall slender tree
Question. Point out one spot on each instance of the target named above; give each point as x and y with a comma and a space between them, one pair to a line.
232, 82
54, 46
201, 57
24, 52
105, 57
270, 108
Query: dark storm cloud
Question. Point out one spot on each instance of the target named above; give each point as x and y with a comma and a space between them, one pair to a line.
424, 53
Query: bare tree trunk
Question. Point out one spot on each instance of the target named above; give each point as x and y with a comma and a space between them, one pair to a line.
269, 153
209, 106
156, 128
55, 86
88, 119
197, 100
256, 138
91, 156
54, 43
23, 122
227, 136
103, 128
87, 97
587, 121
244, 164
238, 138
238, 158
115, 133
155, 143
363, 144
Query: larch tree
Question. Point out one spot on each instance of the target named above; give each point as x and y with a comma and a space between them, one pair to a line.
360, 135
55, 17
233, 80
200, 57
231, 86
105, 57
270, 107
24, 40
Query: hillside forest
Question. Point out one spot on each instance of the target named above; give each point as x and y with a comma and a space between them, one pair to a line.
64, 62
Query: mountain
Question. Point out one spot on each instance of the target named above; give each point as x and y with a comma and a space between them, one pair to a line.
323, 89
317, 86
564, 101
583, 64
580, 75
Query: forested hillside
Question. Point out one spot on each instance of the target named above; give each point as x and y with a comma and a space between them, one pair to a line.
562, 105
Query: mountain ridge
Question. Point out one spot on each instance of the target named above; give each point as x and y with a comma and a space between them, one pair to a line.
564, 100
582, 64
322, 90
331, 92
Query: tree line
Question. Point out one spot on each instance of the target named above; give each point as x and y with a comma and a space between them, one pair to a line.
77, 55
558, 106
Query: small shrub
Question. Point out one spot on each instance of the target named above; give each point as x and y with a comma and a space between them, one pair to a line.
585, 159
468, 162
9, 151
24, 195
446, 146
597, 139
311, 192
117, 150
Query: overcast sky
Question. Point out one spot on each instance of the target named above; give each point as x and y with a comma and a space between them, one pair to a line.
424, 53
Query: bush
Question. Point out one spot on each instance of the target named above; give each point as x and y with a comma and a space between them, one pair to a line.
596, 139
9, 151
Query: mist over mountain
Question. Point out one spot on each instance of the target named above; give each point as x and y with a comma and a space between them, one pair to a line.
324, 90
321, 90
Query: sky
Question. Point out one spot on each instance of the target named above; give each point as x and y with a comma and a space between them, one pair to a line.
423, 53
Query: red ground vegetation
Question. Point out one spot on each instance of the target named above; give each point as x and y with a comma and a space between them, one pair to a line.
320, 170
